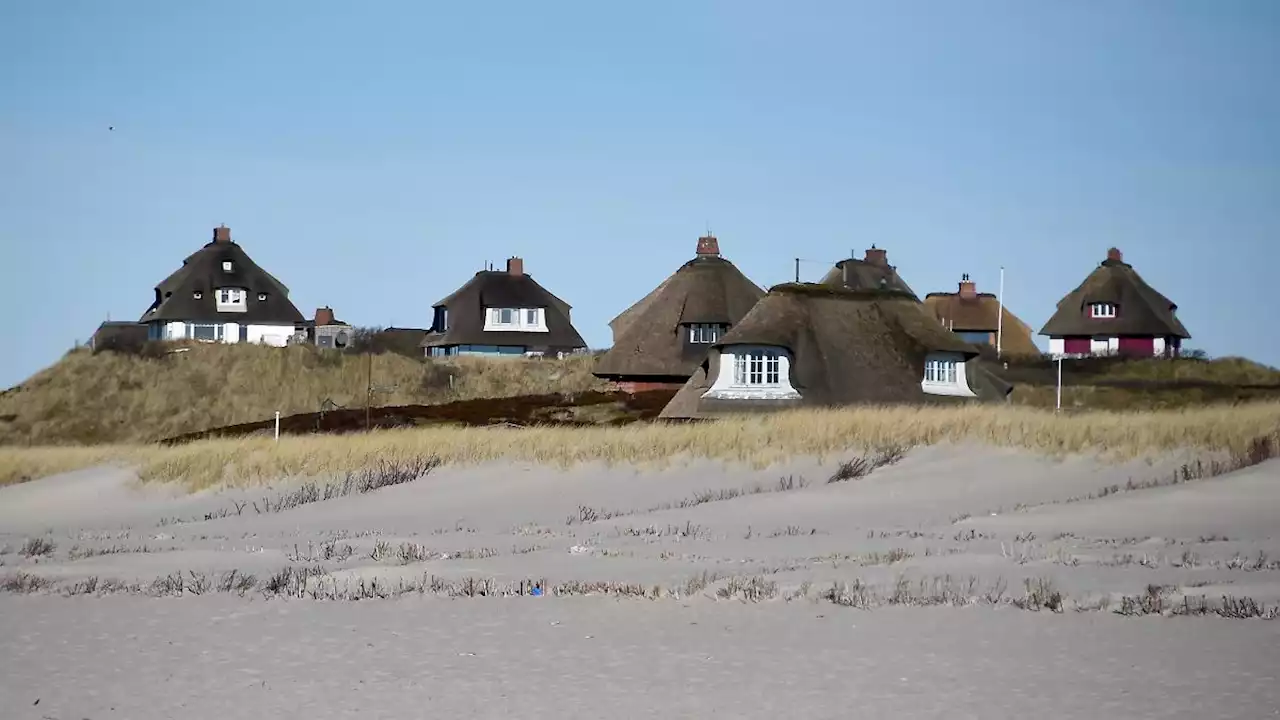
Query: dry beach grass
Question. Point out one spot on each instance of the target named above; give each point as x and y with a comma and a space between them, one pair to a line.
110, 397
754, 440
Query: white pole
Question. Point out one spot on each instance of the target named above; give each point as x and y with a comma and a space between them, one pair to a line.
1059, 405
1000, 316
277, 426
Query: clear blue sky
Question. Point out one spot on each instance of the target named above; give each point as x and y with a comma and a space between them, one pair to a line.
374, 155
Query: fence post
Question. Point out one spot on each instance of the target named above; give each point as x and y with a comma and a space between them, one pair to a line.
1058, 408
277, 426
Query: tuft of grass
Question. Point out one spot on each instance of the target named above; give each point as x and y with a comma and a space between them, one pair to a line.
864, 465
37, 547
384, 473
757, 440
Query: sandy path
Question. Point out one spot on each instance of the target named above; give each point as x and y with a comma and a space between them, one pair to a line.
945, 524
580, 658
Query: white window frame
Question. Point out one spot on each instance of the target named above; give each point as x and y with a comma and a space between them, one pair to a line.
231, 299
218, 331
758, 368
945, 374
1102, 310
940, 371
704, 333
519, 319
227, 266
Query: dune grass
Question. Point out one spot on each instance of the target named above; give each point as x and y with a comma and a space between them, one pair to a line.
110, 397
756, 440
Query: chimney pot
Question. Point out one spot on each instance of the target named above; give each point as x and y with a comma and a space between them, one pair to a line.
1115, 255
708, 245
324, 316
515, 266
876, 256
222, 234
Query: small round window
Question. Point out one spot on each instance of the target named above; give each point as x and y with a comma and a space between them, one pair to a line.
262, 297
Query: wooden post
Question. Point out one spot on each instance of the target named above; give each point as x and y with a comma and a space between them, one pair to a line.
1058, 408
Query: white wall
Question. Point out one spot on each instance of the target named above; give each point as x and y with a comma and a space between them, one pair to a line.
274, 335
724, 387
960, 388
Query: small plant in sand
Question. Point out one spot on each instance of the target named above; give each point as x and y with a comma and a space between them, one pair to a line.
384, 473
37, 547
863, 465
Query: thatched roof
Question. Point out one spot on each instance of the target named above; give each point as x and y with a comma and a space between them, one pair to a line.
203, 272
1142, 310
872, 272
968, 310
510, 288
847, 346
650, 338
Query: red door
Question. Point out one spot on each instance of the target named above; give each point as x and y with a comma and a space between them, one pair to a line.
1139, 346
1076, 345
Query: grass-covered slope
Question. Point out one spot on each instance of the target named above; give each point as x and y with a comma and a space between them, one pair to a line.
110, 397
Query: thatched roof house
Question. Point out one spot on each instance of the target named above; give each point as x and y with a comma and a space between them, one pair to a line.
872, 272
976, 317
1114, 311
500, 312
815, 345
220, 294
660, 339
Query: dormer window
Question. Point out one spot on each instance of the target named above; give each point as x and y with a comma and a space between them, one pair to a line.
944, 374
940, 370
514, 319
1102, 310
704, 333
227, 266
231, 299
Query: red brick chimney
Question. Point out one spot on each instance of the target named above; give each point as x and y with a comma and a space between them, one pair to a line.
324, 316
708, 245
1115, 255
876, 256
968, 289
222, 234
515, 266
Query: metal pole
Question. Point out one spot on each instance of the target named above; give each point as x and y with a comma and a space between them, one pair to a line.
277, 426
1000, 316
797, 269
1059, 405
368, 393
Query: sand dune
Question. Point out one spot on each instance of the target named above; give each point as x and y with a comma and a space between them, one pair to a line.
742, 582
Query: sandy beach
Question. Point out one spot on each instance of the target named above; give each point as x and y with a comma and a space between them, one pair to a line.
960, 581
